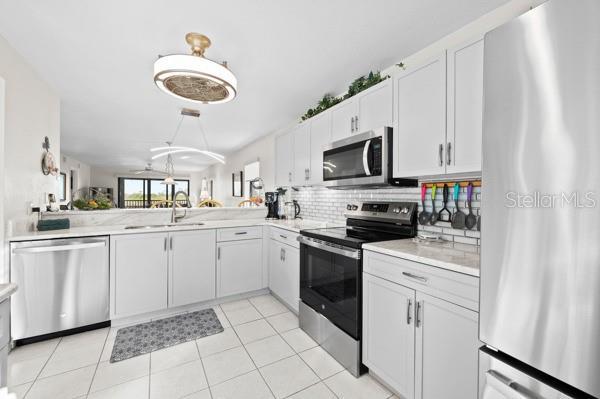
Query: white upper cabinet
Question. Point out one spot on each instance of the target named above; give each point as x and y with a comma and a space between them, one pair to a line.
301, 138
465, 107
375, 107
446, 350
388, 347
320, 136
420, 135
284, 159
342, 119
192, 267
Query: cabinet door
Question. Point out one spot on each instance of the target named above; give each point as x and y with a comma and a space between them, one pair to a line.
342, 119
465, 108
139, 264
192, 267
320, 135
276, 278
420, 136
301, 139
239, 267
447, 350
389, 333
291, 276
284, 159
375, 107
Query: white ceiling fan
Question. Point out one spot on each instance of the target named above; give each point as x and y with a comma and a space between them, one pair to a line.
148, 169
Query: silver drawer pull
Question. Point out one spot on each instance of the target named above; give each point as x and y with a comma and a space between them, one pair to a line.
240, 233
408, 311
282, 236
509, 388
416, 277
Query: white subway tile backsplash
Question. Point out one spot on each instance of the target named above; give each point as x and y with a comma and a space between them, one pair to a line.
320, 203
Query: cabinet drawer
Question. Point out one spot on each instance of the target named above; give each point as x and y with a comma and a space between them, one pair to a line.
285, 236
457, 288
239, 233
4, 322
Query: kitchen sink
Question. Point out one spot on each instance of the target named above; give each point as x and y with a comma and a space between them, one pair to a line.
158, 226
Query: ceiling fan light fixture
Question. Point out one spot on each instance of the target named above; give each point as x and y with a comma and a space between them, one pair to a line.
193, 77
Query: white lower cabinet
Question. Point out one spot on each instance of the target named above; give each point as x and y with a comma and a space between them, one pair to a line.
284, 272
239, 267
191, 267
446, 350
388, 333
422, 346
138, 273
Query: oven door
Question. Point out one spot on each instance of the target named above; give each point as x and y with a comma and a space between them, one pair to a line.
360, 159
331, 281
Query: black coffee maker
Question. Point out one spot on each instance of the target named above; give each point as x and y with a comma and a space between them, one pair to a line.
272, 203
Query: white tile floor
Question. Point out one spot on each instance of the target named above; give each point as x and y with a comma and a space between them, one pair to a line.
261, 354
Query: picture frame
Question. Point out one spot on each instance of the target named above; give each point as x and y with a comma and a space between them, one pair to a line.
237, 184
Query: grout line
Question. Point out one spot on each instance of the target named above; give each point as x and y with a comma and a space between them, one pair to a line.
42, 368
98, 363
203, 369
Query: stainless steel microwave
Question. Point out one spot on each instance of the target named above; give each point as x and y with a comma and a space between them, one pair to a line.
362, 160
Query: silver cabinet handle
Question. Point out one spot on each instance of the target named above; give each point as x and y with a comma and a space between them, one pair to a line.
165, 245
441, 154
218, 253
283, 253
416, 277
448, 153
418, 314
356, 123
241, 233
290, 177
408, 311
171, 243
352, 124
282, 236
507, 387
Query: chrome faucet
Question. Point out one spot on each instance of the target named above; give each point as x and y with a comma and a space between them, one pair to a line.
174, 217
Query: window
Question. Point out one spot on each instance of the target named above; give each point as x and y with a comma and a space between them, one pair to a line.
62, 187
145, 193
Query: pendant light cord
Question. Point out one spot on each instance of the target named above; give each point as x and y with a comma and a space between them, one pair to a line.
177, 130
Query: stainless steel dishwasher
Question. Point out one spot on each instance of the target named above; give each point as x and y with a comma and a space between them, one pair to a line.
63, 285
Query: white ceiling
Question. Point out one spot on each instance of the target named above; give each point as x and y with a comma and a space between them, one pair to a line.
99, 56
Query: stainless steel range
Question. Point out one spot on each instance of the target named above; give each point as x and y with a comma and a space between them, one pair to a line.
331, 274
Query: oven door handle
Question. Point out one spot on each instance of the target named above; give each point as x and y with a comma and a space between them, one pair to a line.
348, 252
365, 158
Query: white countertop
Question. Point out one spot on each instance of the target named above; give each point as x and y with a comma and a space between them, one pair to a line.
89, 231
461, 258
6, 290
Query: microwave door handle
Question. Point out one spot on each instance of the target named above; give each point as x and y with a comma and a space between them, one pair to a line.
366, 158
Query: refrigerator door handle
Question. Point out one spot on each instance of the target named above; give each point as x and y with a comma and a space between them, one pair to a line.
504, 385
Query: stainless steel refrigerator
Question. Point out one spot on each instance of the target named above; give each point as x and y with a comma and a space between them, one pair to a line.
540, 244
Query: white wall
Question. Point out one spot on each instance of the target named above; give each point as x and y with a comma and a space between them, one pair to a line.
264, 148
3, 245
32, 111
68, 164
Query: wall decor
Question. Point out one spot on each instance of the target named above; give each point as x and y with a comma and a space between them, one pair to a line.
237, 184
48, 161
360, 84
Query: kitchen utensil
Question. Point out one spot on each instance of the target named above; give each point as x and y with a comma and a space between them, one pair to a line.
445, 214
471, 219
435, 216
424, 216
459, 217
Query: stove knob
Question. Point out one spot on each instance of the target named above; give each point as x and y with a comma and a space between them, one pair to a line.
354, 207
405, 210
396, 210
349, 207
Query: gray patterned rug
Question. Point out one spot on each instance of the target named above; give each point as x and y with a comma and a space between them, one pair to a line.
148, 337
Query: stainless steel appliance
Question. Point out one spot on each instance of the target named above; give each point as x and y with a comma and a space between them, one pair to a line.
361, 160
540, 252
272, 203
63, 285
330, 308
